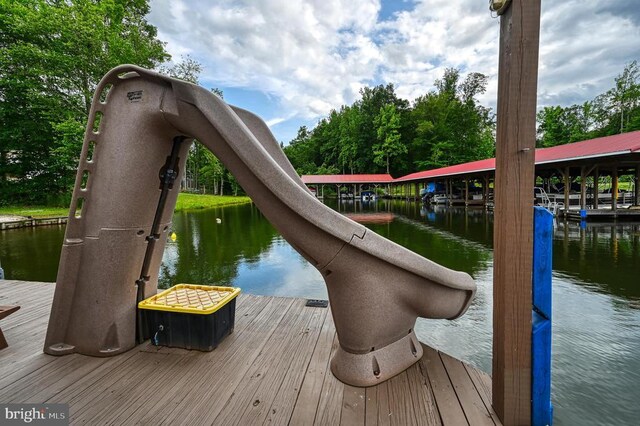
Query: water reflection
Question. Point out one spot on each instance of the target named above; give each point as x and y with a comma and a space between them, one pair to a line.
602, 257
31, 254
236, 246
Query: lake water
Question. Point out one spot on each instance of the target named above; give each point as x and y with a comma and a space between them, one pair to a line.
596, 286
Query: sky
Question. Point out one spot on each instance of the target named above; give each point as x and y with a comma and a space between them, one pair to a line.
293, 61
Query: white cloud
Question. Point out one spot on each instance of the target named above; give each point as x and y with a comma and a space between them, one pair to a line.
312, 56
276, 121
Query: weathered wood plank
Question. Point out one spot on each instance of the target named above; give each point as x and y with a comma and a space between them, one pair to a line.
126, 385
482, 383
330, 403
371, 407
384, 412
424, 403
283, 405
107, 380
182, 374
433, 370
205, 394
470, 400
353, 406
400, 404
256, 391
307, 404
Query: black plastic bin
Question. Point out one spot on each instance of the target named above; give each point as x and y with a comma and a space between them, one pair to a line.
189, 316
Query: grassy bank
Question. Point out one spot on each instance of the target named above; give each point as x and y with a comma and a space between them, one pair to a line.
37, 212
197, 201
185, 202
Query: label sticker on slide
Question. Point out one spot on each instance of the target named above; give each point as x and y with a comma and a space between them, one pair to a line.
135, 96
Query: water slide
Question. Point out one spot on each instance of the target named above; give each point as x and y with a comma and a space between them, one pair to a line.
140, 128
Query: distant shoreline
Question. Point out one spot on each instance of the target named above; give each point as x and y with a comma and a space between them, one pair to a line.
12, 217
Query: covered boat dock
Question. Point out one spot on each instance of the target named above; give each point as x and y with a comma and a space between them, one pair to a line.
580, 180
588, 173
354, 183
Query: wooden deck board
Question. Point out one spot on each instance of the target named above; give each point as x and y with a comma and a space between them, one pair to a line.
371, 408
384, 412
353, 406
284, 403
180, 375
329, 405
446, 399
209, 392
278, 356
400, 405
424, 403
256, 391
309, 395
470, 401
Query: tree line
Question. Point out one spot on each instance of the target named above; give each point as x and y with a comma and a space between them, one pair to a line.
383, 133
615, 111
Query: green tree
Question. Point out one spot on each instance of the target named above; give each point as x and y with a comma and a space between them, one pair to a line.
348, 137
302, 152
52, 56
389, 145
451, 127
552, 129
615, 111
203, 169
187, 69
372, 99
624, 98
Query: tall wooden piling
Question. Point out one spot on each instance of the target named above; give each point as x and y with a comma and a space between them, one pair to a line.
614, 188
513, 225
636, 193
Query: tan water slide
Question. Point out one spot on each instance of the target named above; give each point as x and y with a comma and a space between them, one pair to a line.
140, 127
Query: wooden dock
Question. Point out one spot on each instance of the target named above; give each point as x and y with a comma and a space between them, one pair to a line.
603, 214
29, 222
274, 369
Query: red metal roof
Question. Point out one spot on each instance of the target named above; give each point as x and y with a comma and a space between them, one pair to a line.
458, 169
342, 179
625, 143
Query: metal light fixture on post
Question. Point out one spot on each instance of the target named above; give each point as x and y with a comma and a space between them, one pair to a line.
499, 6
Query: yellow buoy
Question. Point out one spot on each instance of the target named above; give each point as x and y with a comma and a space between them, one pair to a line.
173, 236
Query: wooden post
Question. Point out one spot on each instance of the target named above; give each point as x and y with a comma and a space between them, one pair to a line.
583, 188
596, 188
446, 189
450, 191
466, 191
513, 224
614, 188
485, 190
636, 192
567, 188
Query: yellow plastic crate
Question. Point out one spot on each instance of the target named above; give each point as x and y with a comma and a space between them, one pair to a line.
189, 316
191, 299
